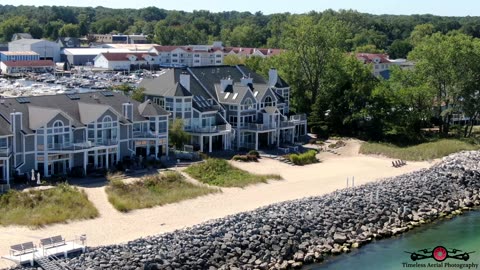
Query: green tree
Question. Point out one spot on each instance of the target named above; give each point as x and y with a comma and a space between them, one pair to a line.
399, 49
176, 134
12, 26
369, 48
311, 44
138, 94
420, 32
446, 63
233, 60
69, 30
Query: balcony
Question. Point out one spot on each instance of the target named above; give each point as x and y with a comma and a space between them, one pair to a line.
210, 129
106, 142
69, 146
5, 151
298, 117
286, 124
259, 127
148, 134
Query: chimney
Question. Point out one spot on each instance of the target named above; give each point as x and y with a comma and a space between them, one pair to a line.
16, 121
127, 110
272, 77
245, 81
185, 80
225, 83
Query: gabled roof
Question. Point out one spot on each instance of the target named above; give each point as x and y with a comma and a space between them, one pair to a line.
370, 57
91, 112
33, 63
27, 41
92, 102
4, 127
147, 108
270, 110
40, 116
235, 94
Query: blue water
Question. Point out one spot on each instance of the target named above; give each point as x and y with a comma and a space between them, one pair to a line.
462, 232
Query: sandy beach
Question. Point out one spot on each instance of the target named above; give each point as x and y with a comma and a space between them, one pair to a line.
299, 181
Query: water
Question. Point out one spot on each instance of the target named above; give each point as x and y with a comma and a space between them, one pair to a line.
462, 233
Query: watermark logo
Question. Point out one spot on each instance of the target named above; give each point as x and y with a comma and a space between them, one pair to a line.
440, 254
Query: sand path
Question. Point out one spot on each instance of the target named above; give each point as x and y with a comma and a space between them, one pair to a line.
299, 181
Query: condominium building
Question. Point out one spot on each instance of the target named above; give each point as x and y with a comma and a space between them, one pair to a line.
228, 107
53, 134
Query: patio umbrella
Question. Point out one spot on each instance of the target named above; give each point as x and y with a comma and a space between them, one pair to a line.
33, 175
38, 179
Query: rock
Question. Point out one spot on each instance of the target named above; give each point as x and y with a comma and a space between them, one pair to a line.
339, 238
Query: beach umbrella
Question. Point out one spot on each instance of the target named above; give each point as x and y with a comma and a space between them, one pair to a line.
38, 179
33, 175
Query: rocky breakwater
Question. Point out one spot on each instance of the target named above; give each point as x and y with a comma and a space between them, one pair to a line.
290, 234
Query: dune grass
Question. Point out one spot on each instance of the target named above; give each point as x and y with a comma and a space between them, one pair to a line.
219, 172
419, 152
150, 191
37, 208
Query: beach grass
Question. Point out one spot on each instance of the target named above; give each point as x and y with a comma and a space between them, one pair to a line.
419, 152
308, 157
37, 208
219, 172
154, 190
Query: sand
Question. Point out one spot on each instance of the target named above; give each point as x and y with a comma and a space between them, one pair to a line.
299, 181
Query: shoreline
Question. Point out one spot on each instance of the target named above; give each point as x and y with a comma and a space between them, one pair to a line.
303, 231
299, 182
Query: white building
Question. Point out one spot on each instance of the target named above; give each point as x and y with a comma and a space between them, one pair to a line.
124, 61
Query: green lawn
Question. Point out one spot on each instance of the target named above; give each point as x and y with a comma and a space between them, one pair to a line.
42, 207
150, 191
423, 151
219, 172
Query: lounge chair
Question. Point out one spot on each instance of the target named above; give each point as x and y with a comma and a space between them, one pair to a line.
52, 241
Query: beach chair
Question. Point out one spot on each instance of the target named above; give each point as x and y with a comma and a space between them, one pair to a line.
52, 241
23, 248
395, 164
404, 162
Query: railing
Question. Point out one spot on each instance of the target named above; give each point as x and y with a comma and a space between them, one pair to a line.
5, 152
298, 117
148, 134
107, 142
253, 126
286, 124
210, 129
69, 146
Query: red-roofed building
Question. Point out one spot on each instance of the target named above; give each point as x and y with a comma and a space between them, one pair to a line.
381, 63
12, 67
125, 60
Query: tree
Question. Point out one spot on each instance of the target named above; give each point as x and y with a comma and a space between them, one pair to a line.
69, 30
344, 97
399, 49
176, 134
448, 64
311, 44
369, 48
138, 94
420, 32
233, 60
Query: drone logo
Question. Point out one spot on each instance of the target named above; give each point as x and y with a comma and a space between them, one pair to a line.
439, 254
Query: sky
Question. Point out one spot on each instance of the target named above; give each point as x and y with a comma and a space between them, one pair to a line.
406, 7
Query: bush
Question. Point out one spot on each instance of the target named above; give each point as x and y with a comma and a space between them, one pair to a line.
308, 157
245, 158
253, 153
219, 172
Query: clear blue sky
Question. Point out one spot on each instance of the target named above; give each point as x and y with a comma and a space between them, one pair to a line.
436, 7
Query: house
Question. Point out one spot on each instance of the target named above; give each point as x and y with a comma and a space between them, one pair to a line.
124, 61
19, 56
68, 42
46, 49
55, 134
381, 63
35, 66
226, 107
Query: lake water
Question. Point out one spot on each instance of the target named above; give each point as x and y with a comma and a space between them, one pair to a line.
462, 233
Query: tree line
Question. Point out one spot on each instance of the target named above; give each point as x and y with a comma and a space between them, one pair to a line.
341, 96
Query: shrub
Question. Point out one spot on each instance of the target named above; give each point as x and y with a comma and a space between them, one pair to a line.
305, 158
245, 158
219, 172
253, 153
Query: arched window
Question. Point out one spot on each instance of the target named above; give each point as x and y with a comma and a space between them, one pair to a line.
58, 123
268, 101
249, 103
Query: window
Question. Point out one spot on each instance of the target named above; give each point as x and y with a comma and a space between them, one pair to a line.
104, 131
174, 55
3, 143
233, 120
196, 55
249, 104
162, 127
218, 55
268, 101
174, 61
58, 136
